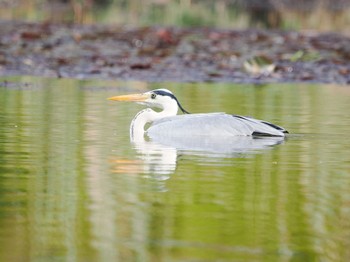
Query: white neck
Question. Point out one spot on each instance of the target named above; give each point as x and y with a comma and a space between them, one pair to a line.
137, 127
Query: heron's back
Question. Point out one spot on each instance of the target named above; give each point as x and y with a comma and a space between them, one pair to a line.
212, 124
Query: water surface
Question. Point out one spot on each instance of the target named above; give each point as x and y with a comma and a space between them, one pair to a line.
73, 187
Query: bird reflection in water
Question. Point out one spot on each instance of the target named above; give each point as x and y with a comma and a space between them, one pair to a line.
158, 158
155, 162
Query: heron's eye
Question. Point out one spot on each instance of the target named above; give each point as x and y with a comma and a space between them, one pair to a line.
153, 96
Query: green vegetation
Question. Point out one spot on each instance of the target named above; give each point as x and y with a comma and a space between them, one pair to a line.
318, 15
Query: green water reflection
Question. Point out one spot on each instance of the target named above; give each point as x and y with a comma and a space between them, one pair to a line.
73, 188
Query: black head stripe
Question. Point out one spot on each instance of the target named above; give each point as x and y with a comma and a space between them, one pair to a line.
164, 93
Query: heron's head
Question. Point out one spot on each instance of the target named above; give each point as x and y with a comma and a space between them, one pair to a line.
159, 98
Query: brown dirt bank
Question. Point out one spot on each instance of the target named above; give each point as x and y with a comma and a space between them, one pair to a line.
158, 54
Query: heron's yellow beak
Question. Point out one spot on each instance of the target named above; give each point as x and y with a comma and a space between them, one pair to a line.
131, 98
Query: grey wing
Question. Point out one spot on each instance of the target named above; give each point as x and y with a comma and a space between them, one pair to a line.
261, 126
213, 124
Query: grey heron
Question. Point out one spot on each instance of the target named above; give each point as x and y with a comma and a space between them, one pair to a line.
168, 123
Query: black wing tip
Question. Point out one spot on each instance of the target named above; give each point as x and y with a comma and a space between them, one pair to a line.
262, 134
279, 128
274, 126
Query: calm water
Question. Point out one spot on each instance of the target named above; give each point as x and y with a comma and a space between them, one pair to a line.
73, 188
